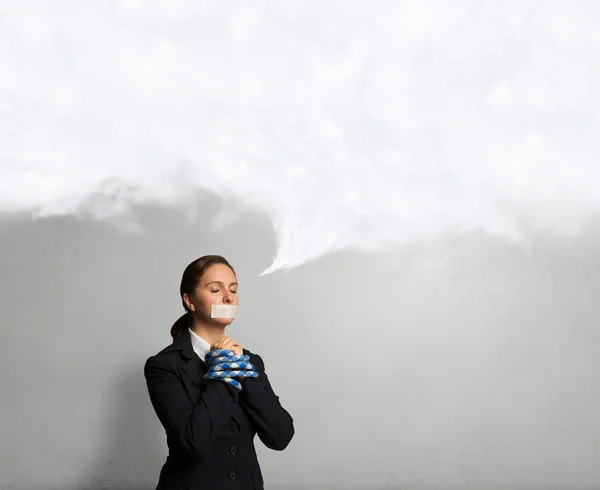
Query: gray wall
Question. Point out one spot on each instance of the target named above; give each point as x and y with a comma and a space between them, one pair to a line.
463, 361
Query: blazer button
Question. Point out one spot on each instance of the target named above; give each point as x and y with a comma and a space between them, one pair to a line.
233, 449
232, 475
234, 427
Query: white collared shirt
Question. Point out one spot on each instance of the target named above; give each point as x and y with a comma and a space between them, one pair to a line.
200, 346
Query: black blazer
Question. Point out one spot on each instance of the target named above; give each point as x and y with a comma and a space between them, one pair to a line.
210, 425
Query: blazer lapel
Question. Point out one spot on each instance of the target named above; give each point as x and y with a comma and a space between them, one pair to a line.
195, 369
193, 366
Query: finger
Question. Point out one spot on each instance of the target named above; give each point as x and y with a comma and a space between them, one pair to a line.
219, 342
225, 346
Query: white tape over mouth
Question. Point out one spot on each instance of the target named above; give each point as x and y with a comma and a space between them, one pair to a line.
223, 311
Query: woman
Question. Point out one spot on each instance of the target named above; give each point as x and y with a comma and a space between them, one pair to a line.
211, 396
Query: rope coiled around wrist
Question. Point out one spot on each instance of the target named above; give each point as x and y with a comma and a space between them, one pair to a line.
225, 366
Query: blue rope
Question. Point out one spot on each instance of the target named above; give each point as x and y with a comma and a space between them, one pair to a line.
225, 366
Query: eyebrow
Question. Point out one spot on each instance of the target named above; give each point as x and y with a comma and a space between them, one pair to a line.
219, 282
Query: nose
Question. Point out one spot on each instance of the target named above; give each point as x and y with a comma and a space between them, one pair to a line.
228, 297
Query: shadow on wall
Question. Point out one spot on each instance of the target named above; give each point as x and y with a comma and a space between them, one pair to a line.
86, 304
131, 450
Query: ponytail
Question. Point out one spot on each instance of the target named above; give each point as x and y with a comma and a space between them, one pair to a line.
181, 325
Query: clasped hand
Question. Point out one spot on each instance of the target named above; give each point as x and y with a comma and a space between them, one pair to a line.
228, 363
227, 343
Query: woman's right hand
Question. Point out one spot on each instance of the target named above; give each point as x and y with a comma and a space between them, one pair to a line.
227, 343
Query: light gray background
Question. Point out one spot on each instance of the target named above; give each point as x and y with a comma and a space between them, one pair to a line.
461, 361
408, 191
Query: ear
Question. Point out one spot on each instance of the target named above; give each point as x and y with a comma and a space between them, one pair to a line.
188, 302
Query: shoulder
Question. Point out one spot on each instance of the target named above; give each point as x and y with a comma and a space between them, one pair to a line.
170, 356
255, 359
250, 353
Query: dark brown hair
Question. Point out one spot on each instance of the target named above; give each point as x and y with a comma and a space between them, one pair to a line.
189, 282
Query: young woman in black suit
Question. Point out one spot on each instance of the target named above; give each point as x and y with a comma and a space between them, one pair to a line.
211, 405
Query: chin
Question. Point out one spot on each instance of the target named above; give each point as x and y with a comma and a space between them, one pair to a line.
223, 321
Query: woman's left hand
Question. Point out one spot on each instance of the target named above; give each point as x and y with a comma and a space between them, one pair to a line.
227, 343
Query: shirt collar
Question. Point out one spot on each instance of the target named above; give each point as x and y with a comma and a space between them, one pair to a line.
200, 346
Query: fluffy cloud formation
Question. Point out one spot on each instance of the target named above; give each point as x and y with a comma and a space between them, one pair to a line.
350, 124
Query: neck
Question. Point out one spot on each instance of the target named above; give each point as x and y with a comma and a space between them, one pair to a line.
210, 333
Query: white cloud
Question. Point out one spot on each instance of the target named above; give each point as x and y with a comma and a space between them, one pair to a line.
353, 124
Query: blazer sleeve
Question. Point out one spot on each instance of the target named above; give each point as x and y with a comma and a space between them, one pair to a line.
193, 425
275, 426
